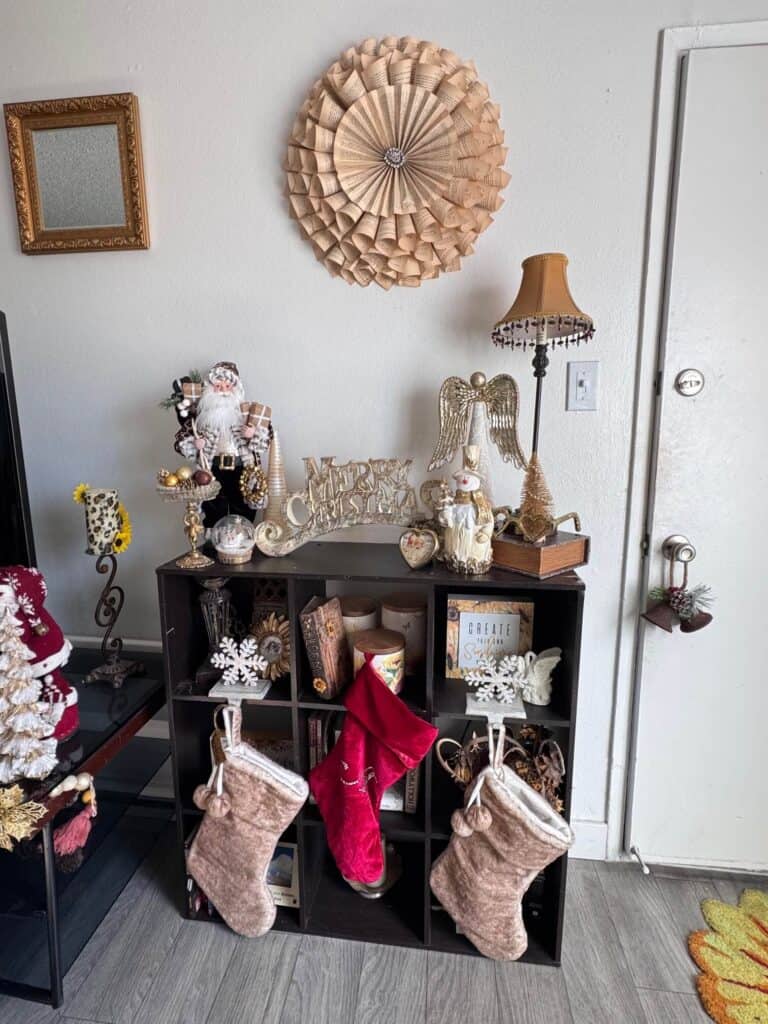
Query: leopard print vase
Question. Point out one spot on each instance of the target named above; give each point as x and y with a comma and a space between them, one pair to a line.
101, 520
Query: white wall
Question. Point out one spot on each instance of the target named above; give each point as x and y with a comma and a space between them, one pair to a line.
97, 338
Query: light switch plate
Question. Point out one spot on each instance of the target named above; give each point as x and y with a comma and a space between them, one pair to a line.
583, 380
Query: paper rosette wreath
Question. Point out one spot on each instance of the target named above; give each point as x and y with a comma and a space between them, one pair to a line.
394, 165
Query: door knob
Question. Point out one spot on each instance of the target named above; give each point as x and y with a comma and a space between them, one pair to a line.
677, 548
689, 383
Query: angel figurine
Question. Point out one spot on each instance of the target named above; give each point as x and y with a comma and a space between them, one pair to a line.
472, 410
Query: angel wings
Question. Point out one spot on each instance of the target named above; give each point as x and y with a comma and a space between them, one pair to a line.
457, 398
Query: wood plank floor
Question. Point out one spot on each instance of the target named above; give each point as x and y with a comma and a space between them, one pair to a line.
624, 960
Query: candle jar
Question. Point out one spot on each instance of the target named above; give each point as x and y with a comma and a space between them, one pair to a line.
388, 650
358, 613
407, 614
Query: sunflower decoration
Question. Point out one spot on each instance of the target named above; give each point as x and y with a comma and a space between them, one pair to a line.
124, 535
273, 639
733, 959
78, 495
18, 817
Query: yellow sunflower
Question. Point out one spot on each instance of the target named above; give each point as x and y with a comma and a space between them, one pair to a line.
124, 535
125, 522
79, 493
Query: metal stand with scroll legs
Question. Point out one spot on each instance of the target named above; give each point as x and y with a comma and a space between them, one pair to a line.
115, 669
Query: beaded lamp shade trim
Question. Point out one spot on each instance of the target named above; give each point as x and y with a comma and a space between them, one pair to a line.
522, 333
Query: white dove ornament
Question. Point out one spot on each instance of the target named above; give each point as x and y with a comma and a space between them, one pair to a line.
537, 685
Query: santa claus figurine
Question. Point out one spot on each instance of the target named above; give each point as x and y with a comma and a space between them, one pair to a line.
43, 637
225, 435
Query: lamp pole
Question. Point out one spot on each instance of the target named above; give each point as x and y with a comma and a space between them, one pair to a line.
540, 364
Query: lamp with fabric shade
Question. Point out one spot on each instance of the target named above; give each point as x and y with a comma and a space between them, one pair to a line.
543, 315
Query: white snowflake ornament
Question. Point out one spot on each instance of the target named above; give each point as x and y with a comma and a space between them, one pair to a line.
241, 661
500, 681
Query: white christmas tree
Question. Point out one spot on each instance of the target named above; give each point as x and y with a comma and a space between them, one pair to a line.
27, 749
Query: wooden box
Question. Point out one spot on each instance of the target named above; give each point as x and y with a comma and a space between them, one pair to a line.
558, 553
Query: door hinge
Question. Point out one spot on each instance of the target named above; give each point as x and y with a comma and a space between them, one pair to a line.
645, 545
657, 382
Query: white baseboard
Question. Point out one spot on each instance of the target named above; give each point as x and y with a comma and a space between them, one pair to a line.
591, 840
759, 868
129, 643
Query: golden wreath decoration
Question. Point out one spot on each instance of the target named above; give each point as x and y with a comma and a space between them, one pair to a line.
254, 486
395, 162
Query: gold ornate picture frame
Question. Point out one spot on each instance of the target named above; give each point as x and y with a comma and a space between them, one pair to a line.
78, 175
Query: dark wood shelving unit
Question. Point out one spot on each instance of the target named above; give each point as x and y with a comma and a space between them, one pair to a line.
408, 915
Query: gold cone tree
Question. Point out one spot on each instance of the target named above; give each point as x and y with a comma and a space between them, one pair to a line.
536, 507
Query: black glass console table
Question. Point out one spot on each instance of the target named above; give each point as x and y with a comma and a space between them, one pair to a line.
47, 915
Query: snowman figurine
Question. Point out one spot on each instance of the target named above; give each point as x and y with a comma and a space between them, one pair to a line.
467, 520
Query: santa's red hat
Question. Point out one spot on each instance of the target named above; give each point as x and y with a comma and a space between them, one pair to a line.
41, 633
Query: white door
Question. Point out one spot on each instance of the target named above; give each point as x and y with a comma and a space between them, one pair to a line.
700, 788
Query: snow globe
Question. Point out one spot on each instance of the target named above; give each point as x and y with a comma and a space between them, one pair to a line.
234, 539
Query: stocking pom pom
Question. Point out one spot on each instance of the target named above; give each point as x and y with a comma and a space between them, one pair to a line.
219, 806
478, 818
460, 825
201, 796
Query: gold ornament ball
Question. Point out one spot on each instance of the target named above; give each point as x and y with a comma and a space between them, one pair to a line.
171, 480
184, 472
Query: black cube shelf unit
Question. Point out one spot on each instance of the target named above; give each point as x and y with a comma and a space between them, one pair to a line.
409, 914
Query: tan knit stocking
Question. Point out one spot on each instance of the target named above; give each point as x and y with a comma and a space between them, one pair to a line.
248, 808
505, 835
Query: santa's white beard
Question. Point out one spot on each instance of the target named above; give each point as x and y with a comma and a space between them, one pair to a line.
219, 412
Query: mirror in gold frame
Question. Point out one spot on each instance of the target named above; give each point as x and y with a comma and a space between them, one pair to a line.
77, 174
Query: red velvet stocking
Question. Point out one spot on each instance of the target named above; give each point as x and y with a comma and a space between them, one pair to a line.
380, 741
